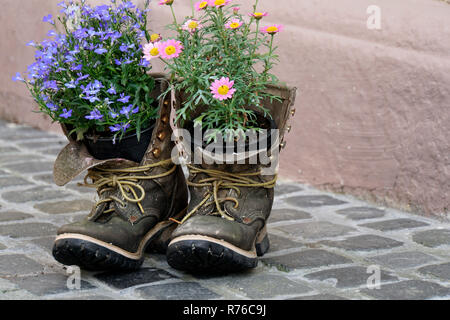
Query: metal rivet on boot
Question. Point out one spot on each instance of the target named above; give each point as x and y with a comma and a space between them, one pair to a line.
289, 128
165, 119
293, 112
283, 145
156, 153
161, 135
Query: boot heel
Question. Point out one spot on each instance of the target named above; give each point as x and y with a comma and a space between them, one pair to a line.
262, 243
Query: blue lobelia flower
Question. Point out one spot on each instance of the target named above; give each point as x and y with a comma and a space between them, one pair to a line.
82, 77
115, 128
113, 114
100, 50
123, 98
78, 67
112, 90
70, 84
53, 107
18, 77
66, 114
91, 99
144, 63
50, 85
52, 33
48, 19
129, 110
62, 4
108, 102
95, 115
124, 48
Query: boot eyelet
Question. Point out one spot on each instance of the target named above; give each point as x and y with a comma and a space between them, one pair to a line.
161, 135
156, 153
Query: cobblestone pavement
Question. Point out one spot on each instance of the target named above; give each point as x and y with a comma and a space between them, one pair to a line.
323, 246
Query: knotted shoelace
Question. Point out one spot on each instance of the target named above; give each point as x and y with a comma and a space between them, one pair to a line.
126, 180
218, 180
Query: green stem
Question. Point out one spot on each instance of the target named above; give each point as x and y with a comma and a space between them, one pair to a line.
267, 67
192, 6
257, 32
223, 30
256, 39
165, 62
174, 17
255, 6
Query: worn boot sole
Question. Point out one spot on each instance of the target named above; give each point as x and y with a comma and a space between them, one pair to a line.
203, 254
92, 254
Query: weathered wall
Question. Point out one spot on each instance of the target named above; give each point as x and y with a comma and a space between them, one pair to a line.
373, 109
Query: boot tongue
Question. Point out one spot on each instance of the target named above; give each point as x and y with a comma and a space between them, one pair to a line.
74, 159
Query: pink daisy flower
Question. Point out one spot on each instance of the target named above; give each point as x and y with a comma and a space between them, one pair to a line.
233, 24
236, 10
170, 49
151, 51
258, 15
167, 2
222, 89
218, 3
201, 5
273, 29
192, 25
155, 37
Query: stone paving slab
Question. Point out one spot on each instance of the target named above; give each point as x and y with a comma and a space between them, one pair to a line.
306, 259
47, 284
315, 230
187, 290
123, 280
324, 246
25, 230
13, 216
409, 290
348, 277
366, 242
403, 260
362, 213
395, 224
433, 238
441, 271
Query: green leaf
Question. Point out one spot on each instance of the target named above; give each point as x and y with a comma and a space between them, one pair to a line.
138, 129
80, 133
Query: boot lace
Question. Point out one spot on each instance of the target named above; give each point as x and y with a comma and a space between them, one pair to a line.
126, 180
218, 180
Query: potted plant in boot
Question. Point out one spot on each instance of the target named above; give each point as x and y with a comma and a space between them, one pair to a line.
220, 64
92, 77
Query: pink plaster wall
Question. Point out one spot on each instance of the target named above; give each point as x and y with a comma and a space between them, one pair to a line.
373, 107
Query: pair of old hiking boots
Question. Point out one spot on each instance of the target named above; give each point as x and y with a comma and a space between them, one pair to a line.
145, 206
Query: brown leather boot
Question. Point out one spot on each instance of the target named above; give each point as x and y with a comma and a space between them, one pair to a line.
136, 202
225, 228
